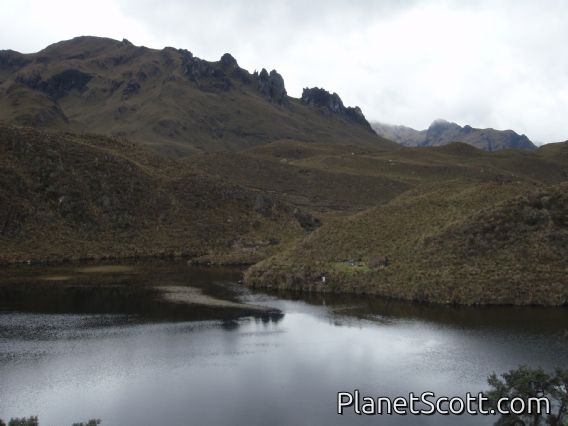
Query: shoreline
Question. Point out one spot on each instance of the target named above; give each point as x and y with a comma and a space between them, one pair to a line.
202, 260
157, 290
283, 280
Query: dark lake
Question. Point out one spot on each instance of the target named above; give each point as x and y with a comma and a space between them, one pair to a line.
79, 343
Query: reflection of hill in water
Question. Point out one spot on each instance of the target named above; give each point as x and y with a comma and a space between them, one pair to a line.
124, 289
346, 309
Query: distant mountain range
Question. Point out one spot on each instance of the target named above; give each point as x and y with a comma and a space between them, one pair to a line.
169, 99
180, 104
442, 132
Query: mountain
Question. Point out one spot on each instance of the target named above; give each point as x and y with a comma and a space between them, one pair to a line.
442, 132
168, 99
109, 151
403, 135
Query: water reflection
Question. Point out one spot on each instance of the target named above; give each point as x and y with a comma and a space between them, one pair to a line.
134, 289
345, 308
276, 370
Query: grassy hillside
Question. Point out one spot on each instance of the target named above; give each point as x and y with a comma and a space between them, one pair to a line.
66, 197
458, 225
166, 99
491, 235
128, 151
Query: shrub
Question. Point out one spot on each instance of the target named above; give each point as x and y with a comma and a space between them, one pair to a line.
30, 421
525, 383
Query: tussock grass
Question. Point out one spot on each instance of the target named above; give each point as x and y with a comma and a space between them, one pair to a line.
443, 247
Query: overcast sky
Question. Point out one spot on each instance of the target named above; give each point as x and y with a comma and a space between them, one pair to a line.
494, 63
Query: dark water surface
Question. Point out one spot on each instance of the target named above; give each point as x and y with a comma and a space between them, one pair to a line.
86, 353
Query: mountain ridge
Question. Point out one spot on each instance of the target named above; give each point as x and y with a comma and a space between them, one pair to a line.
442, 132
168, 99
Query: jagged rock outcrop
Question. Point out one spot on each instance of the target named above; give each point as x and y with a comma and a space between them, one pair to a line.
213, 75
204, 73
271, 86
332, 103
228, 62
231, 68
356, 114
442, 132
322, 98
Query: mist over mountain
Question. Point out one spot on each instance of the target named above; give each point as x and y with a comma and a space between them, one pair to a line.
442, 132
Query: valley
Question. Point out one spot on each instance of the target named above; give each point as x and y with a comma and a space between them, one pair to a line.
112, 151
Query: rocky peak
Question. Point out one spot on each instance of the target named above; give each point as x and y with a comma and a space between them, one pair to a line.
441, 130
440, 125
230, 66
322, 98
207, 75
229, 62
356, 114
271, 85
185, 54
331, 103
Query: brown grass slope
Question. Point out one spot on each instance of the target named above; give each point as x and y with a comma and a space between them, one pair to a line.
490, 235
166, 99
457, 224
65, 196
302, 185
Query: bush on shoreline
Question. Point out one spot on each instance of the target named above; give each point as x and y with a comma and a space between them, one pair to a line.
526, 383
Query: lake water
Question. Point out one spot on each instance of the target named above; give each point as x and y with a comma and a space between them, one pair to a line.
126, 368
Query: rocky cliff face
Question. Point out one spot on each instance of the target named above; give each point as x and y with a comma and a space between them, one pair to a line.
331, 103
442, 132
271, 86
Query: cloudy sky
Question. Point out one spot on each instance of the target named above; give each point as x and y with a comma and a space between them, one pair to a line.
487, 63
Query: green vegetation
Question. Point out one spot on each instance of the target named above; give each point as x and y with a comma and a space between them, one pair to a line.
528, 383
443, 246
351, 267
89, 197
